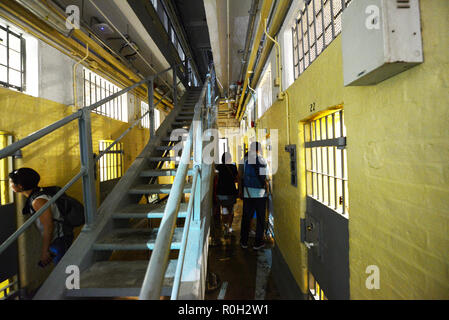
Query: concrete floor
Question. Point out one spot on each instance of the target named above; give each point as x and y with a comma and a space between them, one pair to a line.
243, 274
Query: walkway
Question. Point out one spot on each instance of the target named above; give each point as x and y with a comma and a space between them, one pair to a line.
244, 274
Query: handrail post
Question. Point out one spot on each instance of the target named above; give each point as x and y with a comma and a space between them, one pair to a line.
87, 162
151, 106
198, 159
175, 89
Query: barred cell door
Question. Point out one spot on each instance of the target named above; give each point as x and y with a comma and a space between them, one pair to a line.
325, 228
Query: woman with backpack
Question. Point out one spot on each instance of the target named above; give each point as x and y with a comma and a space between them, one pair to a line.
50, 224
226, 189
253, 190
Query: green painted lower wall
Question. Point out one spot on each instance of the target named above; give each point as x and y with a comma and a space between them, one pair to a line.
398, 167
56, 157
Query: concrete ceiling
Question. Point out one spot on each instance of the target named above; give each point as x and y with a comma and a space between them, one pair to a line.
122, 17
193, 19
227, 55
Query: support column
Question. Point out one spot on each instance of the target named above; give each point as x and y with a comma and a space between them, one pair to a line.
87, 162
151, 106
175, 89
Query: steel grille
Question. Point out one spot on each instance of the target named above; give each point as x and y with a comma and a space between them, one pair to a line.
318, 24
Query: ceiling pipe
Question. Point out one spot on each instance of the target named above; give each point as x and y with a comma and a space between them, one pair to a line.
278, 18
264, 12
228, 36
249, 36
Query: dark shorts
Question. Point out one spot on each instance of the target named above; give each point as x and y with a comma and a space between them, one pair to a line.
226, 200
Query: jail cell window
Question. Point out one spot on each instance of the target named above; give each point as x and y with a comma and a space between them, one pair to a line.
326, 161
317, 25
111, 164
145, 122
97, 88
12, 59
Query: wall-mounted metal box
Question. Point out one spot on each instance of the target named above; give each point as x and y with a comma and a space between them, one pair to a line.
380, 38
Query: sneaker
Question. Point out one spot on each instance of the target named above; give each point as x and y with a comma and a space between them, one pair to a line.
230, 230
244, 246
258, 247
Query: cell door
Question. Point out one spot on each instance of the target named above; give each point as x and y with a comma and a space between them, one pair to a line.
325, 228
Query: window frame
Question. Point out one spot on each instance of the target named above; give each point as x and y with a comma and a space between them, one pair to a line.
111, 164
22, 58
96, 88
326, 168
312, 14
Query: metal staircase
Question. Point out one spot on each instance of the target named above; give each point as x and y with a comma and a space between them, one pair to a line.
113, 255
106, 278
128, 246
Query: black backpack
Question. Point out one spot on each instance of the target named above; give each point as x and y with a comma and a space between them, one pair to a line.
72, 211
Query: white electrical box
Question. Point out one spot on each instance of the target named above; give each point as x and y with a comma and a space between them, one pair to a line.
380, 38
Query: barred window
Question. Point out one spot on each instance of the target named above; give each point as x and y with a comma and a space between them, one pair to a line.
264, 92
318, 24
12, 59
97, 88
111, 164
145, 122
326, 161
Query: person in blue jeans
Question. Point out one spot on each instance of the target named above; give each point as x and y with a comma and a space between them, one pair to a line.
254, 192
55, 241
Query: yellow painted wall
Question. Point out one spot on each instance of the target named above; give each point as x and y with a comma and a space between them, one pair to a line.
398, 165
56, 157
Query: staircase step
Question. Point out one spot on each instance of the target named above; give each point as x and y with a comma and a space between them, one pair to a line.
158, 159
161, 173
135, 239
165, 148
157, 188
180, 118
168, 139
117, 279
150, 211
181, 123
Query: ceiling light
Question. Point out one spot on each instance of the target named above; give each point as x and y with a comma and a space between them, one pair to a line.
103, 28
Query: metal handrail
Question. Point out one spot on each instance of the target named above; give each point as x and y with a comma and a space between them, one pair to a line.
12, 148
185, 237
194, 193
152, 283
102, 153
84, 171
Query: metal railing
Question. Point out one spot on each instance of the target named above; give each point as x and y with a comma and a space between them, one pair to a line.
154, 277
86, 151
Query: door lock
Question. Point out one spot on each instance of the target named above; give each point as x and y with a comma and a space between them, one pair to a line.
309, 245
